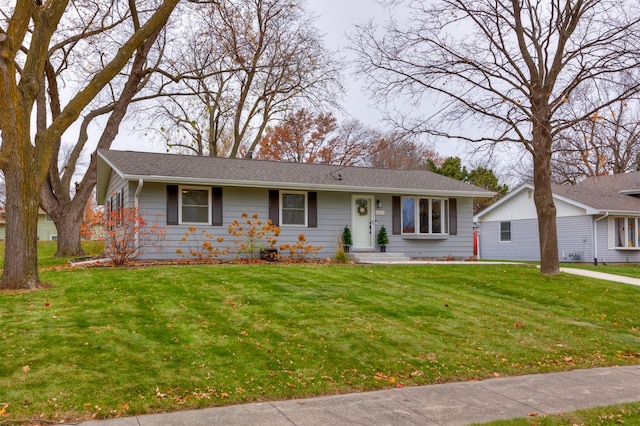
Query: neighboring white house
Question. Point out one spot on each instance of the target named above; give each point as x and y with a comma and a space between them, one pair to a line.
427, 215
599, 218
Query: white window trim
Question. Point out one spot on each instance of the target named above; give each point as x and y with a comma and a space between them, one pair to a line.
306, 209
626, 233
199, 188
444, 214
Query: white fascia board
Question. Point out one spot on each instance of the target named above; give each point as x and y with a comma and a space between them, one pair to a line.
307, 187
103, 171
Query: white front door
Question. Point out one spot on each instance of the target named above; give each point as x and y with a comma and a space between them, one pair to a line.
362, 220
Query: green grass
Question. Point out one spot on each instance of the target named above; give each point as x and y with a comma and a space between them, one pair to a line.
105, 342
628, 414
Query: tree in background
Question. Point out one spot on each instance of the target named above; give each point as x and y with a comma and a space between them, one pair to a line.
241, 65
26, 36
399, 150
606, 142
505, 72
480, 176
305, 137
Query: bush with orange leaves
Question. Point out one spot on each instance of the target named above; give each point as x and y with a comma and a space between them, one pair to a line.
301, 249
199, 245
128, 235
253, 235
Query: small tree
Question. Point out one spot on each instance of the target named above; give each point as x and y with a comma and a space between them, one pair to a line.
127, 235
383, 238
347, 241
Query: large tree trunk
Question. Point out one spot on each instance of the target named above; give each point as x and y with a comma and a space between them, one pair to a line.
21, 255
543, 198
68, 224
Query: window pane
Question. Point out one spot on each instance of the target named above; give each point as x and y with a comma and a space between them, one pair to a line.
195, 214
408, 215
293, 209
293, 217
631, 242
436, 216
424, 215
293, 201
619, 224
195, 197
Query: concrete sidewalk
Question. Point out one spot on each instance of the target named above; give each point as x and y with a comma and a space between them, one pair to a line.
446, 404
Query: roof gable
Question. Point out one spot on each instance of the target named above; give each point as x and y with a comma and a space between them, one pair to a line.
173, 168
596, 195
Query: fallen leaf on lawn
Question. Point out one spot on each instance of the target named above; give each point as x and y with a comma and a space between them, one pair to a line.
532, 414
26, 368
497, 375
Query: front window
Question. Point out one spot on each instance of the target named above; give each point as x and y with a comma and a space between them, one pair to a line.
293, 208
505, 231
427, 215
194, 205
627, 232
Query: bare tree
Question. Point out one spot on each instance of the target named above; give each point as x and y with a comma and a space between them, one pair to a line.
607, 142
254, 61
67, 190
505, 71
26, 37
399, 150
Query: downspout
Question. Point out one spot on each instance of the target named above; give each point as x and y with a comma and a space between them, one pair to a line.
595, 237
135, 206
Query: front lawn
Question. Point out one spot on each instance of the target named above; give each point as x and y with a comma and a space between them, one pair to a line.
108, 342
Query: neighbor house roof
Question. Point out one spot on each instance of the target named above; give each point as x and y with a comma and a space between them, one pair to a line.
185, 169
613, 194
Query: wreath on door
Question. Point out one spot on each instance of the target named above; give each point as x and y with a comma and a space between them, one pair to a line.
363, 210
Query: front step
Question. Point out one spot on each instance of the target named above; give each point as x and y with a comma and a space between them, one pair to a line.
373, 257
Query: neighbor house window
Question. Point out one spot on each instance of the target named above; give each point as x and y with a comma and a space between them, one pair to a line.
627, 232
425, 215
195, 205
505, 231
293, 208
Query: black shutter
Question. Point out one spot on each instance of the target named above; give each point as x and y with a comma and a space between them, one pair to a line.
396, 212
216, 208
312, 205
453, 216
172, 204
274, 206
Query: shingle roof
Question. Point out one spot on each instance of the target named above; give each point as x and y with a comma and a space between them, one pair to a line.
605, 193
246, 172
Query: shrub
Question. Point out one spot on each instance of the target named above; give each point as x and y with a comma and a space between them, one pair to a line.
253, 235
127, 235
301, 249
199, 245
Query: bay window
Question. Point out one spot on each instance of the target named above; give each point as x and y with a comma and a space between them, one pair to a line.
425, 216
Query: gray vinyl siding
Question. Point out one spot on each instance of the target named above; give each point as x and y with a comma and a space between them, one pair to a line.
575, 240
334, 212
